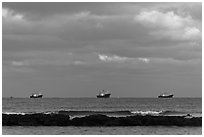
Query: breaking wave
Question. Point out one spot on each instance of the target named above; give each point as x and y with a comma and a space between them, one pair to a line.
122, 113
154, 113
12, 113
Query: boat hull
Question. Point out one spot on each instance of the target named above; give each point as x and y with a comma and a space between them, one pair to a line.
169, 96
39, 96
103, 96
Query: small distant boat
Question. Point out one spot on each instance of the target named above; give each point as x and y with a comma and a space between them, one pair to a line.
104, 94
166, 95
34, 95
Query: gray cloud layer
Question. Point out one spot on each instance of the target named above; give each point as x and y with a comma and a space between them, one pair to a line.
102, 42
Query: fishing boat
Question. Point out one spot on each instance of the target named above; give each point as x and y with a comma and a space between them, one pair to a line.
166, 95
104, 94
34, 95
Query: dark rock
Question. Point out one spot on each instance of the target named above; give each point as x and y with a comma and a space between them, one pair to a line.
35, 120
92, 120
41, 119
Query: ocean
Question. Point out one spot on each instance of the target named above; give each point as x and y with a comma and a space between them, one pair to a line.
111, 107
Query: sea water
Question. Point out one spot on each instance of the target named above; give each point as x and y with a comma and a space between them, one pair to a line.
111, 106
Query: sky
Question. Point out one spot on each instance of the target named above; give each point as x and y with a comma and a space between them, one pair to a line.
77, 49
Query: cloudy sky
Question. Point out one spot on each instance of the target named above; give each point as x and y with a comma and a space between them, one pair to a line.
77, 49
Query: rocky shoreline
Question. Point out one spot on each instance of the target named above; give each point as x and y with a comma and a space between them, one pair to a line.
40, 119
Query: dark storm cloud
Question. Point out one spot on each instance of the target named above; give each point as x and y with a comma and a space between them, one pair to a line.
53, 8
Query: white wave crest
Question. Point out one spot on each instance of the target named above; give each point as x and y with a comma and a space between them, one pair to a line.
11, 113
146, 112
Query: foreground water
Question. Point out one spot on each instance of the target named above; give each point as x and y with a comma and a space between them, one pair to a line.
77, 107
70, 130
135, 105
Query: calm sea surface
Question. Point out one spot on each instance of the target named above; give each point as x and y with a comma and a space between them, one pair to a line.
170, 106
